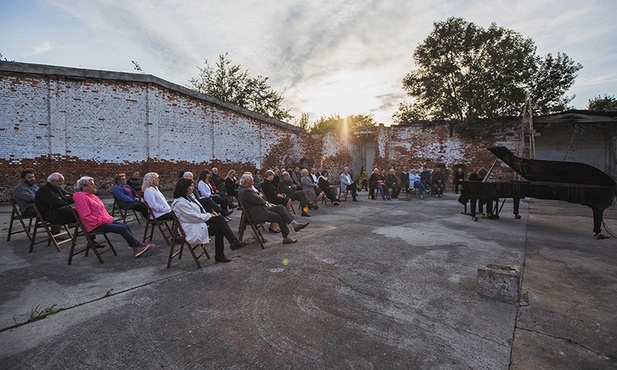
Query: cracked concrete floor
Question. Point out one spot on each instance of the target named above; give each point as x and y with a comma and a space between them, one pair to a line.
372, 284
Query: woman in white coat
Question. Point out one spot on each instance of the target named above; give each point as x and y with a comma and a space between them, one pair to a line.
199, 224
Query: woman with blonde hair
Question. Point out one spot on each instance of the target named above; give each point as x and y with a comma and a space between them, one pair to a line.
231, 185
154, 198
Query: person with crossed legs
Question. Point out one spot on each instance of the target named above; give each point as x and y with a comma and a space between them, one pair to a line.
262, 211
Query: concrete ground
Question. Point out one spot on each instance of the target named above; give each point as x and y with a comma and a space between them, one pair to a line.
369, 285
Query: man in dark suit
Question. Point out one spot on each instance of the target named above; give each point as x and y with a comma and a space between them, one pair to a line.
405, 179
53, 202
261, 211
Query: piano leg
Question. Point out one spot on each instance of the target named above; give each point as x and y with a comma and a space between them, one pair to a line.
516, 202
597, 219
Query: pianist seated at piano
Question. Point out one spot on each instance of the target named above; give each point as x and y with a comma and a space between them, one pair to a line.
572, 182
478, 175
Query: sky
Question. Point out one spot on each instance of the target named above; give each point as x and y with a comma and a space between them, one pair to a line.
325, 56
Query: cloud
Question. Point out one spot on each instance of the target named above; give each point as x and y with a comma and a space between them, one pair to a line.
39, 49
328, 56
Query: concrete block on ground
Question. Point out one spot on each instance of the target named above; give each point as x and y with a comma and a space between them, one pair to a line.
502, 282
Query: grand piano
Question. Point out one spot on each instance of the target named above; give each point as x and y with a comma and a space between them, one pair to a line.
543, 179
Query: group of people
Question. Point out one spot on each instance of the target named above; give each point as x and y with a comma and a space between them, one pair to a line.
203, 206
426, 181
304, 186
197, 212
56, 206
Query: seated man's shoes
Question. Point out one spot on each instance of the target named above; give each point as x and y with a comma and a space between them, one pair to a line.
304, 214
222, 258
237, 244
274, 231
300, 226
289, 240
600, 236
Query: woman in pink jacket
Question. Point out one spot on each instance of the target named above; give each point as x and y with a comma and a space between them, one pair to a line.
95, 217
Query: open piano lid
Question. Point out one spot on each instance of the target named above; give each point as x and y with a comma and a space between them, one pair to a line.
553, 171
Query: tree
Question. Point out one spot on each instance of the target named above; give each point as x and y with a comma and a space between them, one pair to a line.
234, 85
336, 123
408, 112
606, 103
465, 72
303, 122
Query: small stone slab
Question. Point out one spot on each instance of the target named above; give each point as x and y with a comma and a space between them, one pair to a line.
502, 282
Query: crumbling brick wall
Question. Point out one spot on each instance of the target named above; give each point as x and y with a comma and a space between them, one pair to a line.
96, 123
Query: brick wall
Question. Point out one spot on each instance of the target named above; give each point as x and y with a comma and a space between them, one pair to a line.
98, 123
83, 122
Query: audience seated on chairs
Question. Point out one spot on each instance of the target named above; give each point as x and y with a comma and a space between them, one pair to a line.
315, 175
327, 188
425, 177
127, 197
95, 217
312, 191
135, 182
231, 184
392, 181
205, 190
404, 179
294, 192
459, 178
199, 224
347, 184
218, 184
25, 192
296, 176
363, 179
377, 183
262, 211
155, 199
258, 180
439, 182
53, 202
208, 204
270, 190
415, 182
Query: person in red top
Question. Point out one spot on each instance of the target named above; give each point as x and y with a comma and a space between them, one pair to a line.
95, 217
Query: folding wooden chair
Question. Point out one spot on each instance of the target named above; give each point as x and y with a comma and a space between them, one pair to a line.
16, 216
124, 213
50, 236
245, 219
91, 244
179, 231
164, 227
